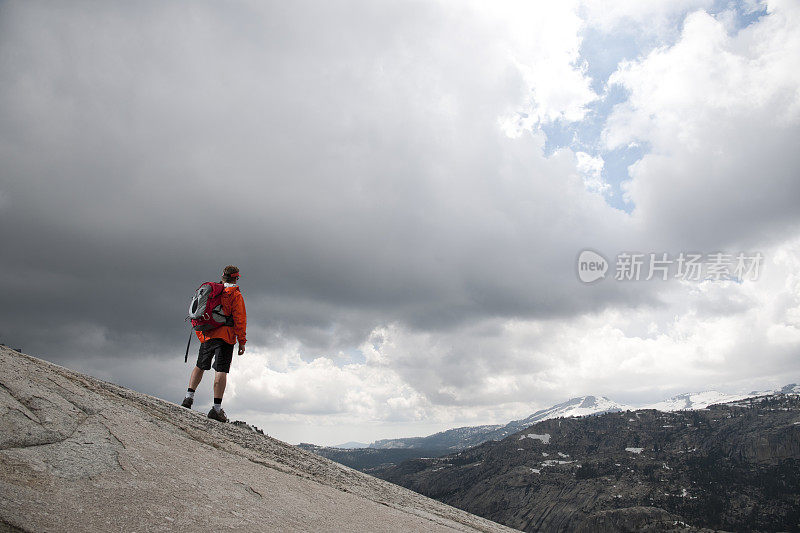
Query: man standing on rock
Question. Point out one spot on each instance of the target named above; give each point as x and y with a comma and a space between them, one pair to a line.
218, 344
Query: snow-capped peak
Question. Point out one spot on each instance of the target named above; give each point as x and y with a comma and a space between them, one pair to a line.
701, 400
581, 406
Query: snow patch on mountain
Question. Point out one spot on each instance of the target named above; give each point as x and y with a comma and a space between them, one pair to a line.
352, 445
693, 400
544, 438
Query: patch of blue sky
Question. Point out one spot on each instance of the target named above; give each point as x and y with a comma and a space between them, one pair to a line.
746, 12
603, 52
585, 136
350, 356
615, 173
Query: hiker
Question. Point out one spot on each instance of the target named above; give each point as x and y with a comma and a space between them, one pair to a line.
218, 344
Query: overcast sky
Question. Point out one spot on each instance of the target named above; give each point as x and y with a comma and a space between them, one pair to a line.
405, 187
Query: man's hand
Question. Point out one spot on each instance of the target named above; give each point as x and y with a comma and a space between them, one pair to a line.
241, 349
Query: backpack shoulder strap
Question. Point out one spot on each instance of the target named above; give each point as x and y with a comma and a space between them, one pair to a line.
216, 288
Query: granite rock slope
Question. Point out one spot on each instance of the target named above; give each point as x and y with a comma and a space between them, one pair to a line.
81, 454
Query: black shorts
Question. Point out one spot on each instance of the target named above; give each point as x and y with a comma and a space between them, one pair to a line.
220, 351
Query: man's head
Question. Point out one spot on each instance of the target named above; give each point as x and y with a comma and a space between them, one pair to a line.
230, 274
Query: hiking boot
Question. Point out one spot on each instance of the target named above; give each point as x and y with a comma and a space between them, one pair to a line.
219, 416
187, 402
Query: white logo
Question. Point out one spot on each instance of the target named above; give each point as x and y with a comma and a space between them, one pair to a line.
591, 266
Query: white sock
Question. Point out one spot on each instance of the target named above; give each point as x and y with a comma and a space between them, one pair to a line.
190, 394
217, 407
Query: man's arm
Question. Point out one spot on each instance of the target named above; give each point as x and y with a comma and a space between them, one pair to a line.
240, 322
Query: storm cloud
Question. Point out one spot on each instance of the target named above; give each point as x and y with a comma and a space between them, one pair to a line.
380, 174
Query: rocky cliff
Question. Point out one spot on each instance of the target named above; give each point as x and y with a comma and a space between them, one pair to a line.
731, 467
80, 454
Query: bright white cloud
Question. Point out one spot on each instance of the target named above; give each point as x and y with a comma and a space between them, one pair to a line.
543, 40
709, 75
720, 114
282, 381
592, 170
654, 17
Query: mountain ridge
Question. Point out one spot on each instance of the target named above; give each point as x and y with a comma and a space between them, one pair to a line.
590, 405
386, 453
466, 436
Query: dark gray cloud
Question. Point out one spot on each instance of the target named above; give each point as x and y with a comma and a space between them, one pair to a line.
352, 169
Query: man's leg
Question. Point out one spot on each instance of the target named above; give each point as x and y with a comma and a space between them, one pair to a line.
220, 380
194, 381
222, 364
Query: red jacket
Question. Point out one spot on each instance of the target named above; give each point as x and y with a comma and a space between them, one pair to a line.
232, 305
